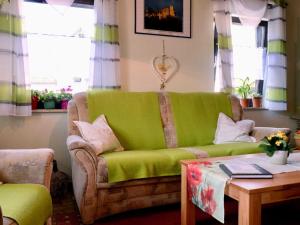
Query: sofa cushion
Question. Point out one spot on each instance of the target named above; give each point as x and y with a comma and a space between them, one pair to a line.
231, 149
99, 135
133, 116
136, 164
196, 114
230, 131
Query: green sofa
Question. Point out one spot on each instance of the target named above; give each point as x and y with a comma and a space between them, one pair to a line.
157, 130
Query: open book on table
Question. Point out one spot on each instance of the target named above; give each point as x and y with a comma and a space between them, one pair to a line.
245, 171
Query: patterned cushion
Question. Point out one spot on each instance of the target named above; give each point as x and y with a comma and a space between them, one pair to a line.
99, 135
230, 131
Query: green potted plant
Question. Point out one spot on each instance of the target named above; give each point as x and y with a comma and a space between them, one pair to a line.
48, 98
257, 100
64, 97
35, 97
277, 147
244, 90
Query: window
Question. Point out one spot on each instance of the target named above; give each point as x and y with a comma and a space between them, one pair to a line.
249, 52
249, 47
58, 45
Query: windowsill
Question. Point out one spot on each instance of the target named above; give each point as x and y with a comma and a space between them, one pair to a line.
254, 109
49, 110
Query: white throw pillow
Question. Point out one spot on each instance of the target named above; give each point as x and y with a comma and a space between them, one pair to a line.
230, 131
99, 135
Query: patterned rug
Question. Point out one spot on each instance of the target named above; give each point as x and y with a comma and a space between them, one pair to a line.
66, 213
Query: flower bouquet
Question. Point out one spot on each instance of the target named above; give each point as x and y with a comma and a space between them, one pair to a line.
276, 146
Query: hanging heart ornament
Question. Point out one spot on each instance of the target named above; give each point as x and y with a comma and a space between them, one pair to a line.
165, 68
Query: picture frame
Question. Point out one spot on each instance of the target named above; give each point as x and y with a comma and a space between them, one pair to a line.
165, 18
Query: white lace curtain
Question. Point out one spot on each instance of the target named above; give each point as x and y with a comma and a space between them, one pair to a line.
105, 56
15, 96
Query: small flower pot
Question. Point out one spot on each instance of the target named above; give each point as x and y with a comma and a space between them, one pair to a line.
244, 102
49, 105
257, 102
34, 102
279, 157
64, 104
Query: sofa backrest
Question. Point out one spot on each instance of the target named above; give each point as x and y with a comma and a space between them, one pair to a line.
156, 120
195, 116
133, 116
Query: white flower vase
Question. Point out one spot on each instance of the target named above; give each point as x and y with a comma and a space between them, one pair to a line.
279, 157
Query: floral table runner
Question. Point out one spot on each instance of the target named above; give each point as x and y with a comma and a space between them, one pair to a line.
206, 185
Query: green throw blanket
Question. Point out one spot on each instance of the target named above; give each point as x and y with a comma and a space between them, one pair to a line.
27, 204
135, 164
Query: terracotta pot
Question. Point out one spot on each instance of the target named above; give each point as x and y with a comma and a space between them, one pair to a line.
34, 102
244, 102
297, 142
257, 102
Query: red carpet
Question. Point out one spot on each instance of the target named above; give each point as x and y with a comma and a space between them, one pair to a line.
66, 213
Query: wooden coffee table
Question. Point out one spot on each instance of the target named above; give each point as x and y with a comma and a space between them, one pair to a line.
251, 194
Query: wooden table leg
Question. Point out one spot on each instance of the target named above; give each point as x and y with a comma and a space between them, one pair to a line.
249, 209
187, 207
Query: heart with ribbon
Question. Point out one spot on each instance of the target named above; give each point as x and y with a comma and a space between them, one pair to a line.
165, 68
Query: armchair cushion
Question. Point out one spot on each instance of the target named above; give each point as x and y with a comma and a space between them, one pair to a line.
99, 135
26, 204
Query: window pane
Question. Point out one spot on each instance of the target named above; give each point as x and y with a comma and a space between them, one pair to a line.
58, 45
248, 60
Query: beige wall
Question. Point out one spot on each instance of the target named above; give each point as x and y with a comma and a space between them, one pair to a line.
41, 130
195, 56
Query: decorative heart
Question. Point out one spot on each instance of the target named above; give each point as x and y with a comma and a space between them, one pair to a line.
165, 67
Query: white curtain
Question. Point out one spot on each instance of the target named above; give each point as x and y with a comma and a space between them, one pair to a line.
222, 15
250, 12
276, 77
15, 97
105, 57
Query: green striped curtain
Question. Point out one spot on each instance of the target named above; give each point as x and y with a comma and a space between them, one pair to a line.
276, 78
15, 98
222, 15
105, 56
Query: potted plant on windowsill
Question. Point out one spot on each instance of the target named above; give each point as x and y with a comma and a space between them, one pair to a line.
244, 90
64, 97
48, 98
277, 147
257, 100
35, 97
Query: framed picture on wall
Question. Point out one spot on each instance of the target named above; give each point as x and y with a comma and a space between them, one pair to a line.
166, 18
